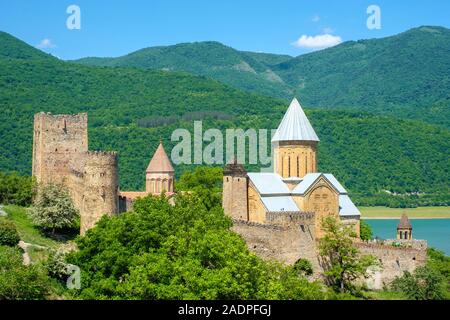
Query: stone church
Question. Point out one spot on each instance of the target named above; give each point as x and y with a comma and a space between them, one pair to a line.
295, 188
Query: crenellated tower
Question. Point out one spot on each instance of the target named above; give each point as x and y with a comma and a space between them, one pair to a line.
101, 186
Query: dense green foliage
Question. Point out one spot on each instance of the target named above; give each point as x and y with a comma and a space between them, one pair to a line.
19, 282
53, 208
368, 154
405, 75
365, 231
8, 233
184, 251
16, 189
340, 259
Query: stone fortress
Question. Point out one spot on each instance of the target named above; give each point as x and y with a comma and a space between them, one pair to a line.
279, 213
61, 156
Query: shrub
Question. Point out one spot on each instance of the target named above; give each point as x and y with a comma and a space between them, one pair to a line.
303, 267
365, 231
424, 284
8, 233
19, 282
56, 265
54, 208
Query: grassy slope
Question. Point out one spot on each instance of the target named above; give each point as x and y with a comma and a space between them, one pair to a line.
421, 212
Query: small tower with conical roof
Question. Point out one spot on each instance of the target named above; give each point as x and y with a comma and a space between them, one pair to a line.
160, 173
404, 228
295, 144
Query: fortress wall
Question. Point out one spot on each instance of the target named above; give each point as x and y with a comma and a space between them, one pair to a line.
285, 243
394, 260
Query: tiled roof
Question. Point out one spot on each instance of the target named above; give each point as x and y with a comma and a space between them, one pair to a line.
404, 223
160, 161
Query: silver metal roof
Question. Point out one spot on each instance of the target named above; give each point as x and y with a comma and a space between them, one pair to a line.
335, 183
347, 207
295, 126
268, 183
280, 203
307, 181
310, 178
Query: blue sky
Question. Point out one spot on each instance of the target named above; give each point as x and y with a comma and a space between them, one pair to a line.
113, 28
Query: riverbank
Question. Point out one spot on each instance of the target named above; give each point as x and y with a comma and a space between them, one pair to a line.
413, 213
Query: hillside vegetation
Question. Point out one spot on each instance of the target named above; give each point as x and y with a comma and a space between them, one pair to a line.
406, 75
367, 153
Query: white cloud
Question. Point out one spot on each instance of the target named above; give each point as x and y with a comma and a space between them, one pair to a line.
317, 42
315, 18
46, 44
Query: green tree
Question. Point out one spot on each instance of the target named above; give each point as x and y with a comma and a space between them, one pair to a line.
424, 284
53, 208
185, 251
365, 231
16, 189
8, 233
340, 259
204, 181
19, 282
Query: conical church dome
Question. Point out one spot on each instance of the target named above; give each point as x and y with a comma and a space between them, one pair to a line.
160, 161
295, 126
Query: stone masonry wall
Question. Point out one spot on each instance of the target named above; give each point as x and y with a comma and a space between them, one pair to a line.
394, 260
282, 242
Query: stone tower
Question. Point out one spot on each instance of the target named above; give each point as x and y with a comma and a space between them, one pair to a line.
295, 144
57, 140
235, 188
61, 156
160, 173
101, 186
404, 228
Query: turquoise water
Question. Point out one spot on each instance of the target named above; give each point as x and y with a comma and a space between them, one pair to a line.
435, 231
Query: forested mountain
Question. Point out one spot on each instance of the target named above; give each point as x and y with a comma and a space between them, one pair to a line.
131, 109
248, 71
406, 75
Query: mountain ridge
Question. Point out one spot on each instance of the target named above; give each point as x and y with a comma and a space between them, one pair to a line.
406, 75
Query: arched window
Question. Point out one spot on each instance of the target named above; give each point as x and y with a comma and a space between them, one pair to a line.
289, 166
306, 164
298, 166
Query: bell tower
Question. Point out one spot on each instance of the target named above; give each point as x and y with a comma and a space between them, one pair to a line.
160, 174
404, 228
295, 144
